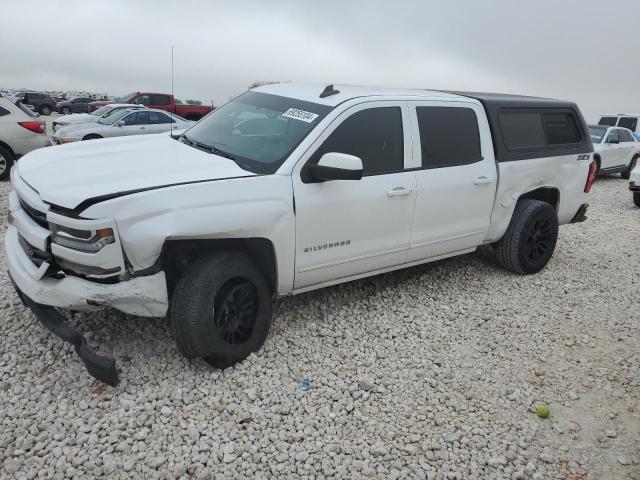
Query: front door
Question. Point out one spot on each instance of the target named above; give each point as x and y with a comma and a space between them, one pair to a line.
456, 182
346, 228
135, 123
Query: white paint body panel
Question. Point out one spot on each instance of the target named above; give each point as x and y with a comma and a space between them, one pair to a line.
376, 224
616, 155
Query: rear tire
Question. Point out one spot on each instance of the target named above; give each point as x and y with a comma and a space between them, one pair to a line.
65, 111
221, 309
636, 199
530, 239
45, 110
6, 162
627, 173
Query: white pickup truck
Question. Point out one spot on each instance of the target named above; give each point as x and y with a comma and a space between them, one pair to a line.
284, 189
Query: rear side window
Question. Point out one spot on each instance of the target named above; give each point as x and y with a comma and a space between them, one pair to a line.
374, 135
561, 128
522, 130
608, 121
159, 100
625, 136
449, 136
4, 111
531, 130
156, 118
628, 122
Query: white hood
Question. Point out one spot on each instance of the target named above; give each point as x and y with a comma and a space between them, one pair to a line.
66, 175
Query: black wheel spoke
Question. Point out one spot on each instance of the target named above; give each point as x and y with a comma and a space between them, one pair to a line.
236, 310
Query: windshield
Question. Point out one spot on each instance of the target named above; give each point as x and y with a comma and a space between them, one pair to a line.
597, 134
257, 130
124, 98
101, 111
113, 117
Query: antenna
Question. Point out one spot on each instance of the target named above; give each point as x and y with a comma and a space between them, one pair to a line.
171, 69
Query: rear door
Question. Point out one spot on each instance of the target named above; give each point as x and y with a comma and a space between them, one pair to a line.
456, 180
628, 144
346, 228
159, 122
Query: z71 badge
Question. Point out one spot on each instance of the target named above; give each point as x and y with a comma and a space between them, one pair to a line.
324, 246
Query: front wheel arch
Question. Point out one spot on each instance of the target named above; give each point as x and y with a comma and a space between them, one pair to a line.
92, 136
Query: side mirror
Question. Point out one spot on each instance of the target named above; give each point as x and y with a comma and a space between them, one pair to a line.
120, 124
333, 166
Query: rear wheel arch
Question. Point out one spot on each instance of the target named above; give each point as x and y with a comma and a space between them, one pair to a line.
598, 160
8, 149
177, 255
550, 195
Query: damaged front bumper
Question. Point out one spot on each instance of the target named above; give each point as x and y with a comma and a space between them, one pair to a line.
99, 367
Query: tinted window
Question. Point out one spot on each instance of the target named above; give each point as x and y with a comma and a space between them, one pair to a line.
609, 121
597, 133
625, 136
143, 100
628, 122
156, 118
160, 100
374, 135
448, 136
613, 136
561, 128
522, 130
4, 111
136, 118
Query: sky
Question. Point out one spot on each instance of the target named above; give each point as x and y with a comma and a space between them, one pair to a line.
579, 50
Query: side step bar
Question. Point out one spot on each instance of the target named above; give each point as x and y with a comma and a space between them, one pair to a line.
100, 367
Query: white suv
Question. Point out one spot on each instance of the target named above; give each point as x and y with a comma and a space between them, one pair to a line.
615, 149
284, 189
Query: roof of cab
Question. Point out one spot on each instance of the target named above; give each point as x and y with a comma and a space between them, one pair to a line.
311, 92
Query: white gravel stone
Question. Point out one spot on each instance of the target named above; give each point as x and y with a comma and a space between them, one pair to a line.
424, 373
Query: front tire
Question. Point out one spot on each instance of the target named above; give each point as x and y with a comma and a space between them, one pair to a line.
221, 309
530, 239
45, 110
627, 173
636, 199
6, 162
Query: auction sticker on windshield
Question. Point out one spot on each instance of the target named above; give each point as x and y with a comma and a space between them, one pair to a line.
300, 115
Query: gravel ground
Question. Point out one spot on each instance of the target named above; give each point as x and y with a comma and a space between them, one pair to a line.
431, 372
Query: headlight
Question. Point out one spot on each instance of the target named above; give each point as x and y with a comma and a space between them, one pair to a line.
89, 241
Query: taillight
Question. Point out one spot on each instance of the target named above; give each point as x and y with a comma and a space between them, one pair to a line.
35, 127
590, 178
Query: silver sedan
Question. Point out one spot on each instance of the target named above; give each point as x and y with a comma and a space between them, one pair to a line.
123, 123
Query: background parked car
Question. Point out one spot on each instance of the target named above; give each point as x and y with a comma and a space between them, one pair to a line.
161, 101
41, 102
20, 132
93, 117
615, 149
630, 121
122, 123
74, 105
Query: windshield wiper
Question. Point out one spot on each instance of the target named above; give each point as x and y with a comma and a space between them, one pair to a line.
215, 151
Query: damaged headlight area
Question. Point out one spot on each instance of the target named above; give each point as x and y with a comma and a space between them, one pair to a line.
88, 241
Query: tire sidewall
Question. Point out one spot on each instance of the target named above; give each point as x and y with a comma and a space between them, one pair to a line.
214, 275
8, 158
540, 210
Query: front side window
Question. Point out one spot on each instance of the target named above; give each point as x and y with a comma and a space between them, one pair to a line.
136, 118
628, 122
624, 136
102, 111
449, 136
143, 100
113, 117
374, 135
257, 130
608, 121
613, 136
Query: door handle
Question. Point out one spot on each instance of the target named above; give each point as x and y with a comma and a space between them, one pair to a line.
482, 180
398, 192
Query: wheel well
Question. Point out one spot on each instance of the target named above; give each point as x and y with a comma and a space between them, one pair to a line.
91, 136
7, 147
177, 255
545, 194
596, 157
193, 116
